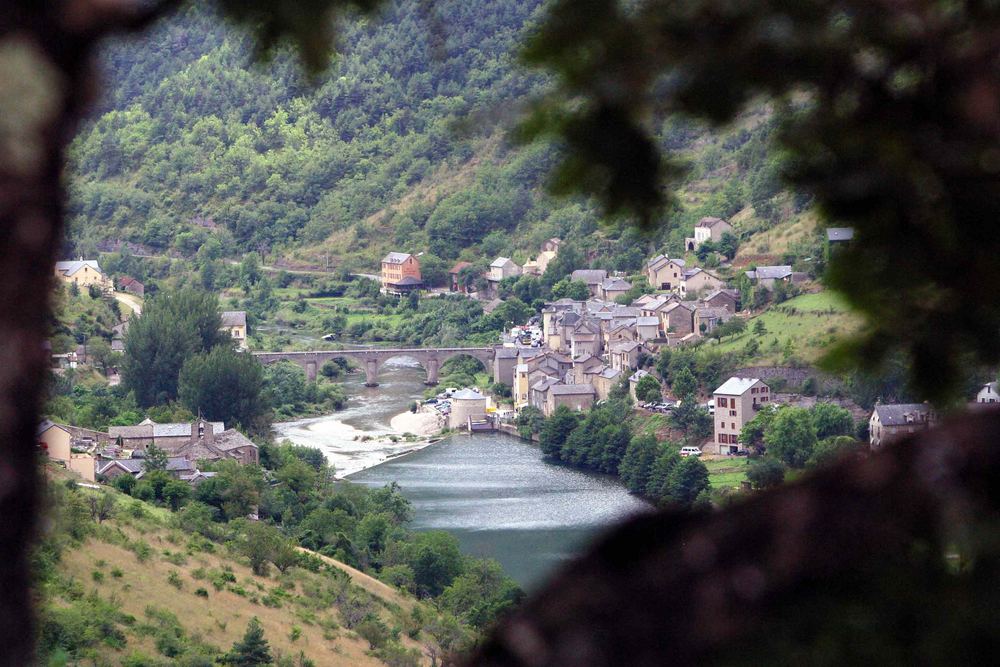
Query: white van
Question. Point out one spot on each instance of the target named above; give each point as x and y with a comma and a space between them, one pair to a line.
690, 451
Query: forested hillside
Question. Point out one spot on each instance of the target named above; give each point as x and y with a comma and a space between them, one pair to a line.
402, 143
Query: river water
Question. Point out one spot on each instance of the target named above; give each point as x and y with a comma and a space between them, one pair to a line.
493, 492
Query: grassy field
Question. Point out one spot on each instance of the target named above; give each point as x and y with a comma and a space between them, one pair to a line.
175, 583
726, 472
803, 328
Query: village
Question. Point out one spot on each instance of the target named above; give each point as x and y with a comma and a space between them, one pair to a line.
573, 353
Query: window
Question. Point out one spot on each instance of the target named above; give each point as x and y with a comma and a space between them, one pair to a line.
732, 413
733, 426
723, 402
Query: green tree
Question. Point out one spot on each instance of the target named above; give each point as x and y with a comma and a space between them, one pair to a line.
250, 651
833, 448
171, 329
687, 480
570, 289
175, 493
831, 420
225, 385
684, 385
556, 429
791, 436
759, 328
637, 464
99, 350
436, 560
481, 593
647, 389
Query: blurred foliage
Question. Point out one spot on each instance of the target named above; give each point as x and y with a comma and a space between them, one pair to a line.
888, 116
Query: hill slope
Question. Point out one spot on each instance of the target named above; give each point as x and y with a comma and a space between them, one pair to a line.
401, 144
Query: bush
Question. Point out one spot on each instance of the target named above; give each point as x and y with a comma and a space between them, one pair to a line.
201, 592
765, 472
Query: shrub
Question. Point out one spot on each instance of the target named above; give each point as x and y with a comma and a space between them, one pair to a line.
174, 579
201, 592
97, 576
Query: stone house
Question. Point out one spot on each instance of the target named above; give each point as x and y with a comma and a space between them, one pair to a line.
698, 280
83, 273
576, 397
633, 382
235, 322
664, 273
552, 245
625, 356
465, 405
677, 318
453, 281
585, 337
581, 365
737, 401
892, 422
132, 286
723, 298
707, 229
766, 276
707, 318
592, 278
647, 328
503, 267
612, 288
538, 396
604, 381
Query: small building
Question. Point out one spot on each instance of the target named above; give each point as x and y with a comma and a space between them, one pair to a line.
454, 284
53, 439
766, 276
552, 245
647, 328
707, 229
132, 286
592, 278
723, 298
988, 394
737, 401
706, 319
612, 288
503, 267
677, 318
664, 273
625, 356
698, 280
467, 404
892, 422
576, 397
83, 273
839, 235
235, 322
400, 273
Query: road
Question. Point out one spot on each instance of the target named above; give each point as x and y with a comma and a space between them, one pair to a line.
130, 301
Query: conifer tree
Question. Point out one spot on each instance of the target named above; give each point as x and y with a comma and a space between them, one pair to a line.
252, 650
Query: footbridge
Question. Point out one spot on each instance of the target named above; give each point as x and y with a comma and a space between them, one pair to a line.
430, 358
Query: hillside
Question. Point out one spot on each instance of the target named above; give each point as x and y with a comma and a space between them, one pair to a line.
402, 143
138, 588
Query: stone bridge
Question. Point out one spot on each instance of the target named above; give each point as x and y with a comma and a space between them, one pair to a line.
430, 358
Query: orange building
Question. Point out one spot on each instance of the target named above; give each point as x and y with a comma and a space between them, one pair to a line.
400, 272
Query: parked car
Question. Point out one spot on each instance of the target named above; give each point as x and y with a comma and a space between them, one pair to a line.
690, 451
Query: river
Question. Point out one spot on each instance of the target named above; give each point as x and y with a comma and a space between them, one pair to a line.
492, 491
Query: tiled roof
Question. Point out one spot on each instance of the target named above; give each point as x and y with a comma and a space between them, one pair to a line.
501, 262
771, 272
232, 439
130, 465
234, 318
408, 280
